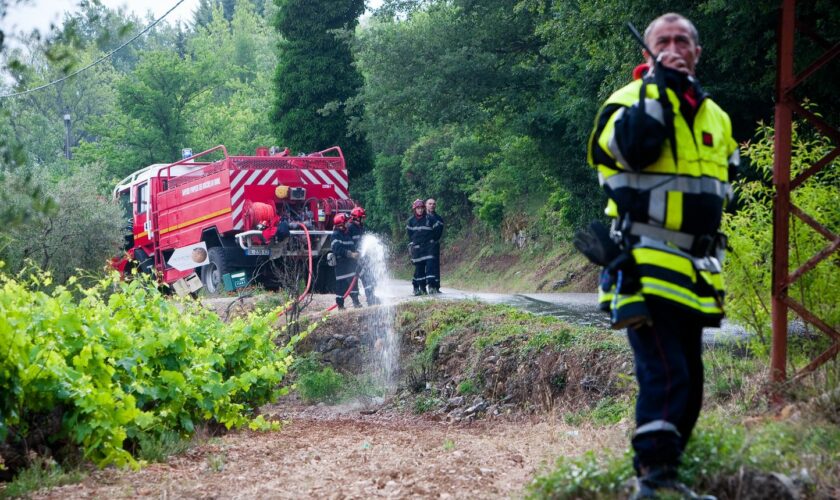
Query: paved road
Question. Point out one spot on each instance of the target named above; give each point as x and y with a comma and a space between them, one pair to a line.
577, 308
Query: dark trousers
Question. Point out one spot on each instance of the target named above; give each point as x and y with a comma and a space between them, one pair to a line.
345, 271
433, 268
669, 369
419, 279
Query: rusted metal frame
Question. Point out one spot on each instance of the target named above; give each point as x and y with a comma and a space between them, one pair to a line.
813, 319
816, 167
816, 121
829, 353
819, 63
807, 219
817, 362
781, 202
813, 261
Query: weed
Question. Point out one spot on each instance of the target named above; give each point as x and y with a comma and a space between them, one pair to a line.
448, 445
588, 476
607, 411
322, 385
158, 447
41, 473
269, 302
424, 404
468, 387
556, 339
216, 462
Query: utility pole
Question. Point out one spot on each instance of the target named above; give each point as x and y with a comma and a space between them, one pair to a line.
67, 135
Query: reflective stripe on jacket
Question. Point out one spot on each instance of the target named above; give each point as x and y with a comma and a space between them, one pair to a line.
687, 196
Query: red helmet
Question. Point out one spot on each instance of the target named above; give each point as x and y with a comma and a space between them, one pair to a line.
340, 219
418, 204
358, 212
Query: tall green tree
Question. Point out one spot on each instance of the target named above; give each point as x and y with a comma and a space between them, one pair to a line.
316, 78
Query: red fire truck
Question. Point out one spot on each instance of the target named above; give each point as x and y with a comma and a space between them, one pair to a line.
202, 219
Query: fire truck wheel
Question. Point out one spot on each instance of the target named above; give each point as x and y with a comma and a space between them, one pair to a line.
211, 274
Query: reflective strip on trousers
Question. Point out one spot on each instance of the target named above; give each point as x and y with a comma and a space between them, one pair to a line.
657, 426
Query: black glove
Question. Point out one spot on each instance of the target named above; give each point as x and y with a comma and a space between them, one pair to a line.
595, 243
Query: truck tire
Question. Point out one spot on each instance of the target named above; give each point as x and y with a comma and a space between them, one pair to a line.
211, 274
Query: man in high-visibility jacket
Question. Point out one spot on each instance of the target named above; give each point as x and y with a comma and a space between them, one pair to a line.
663, 150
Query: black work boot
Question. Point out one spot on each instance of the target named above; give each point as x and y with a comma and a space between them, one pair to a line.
433, 290
417, 291
423, 290
356, 302
661, 481
339, 303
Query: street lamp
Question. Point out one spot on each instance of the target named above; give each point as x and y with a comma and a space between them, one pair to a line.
67, 135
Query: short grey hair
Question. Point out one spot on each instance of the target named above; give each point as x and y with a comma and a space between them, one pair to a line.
673, 17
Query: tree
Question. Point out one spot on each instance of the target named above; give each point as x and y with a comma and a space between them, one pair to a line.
315, 78
158, 95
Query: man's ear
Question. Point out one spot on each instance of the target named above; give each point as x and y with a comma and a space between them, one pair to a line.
697, 53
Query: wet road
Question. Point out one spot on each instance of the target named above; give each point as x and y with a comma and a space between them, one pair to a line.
576, 308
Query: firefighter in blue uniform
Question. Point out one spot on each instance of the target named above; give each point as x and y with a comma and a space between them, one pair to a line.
419, 230
346, 257
356, 225
433, 267
663, 150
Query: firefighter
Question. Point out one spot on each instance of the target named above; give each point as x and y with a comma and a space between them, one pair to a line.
663, 150
346, 257
433, 266
356, 225
419, 230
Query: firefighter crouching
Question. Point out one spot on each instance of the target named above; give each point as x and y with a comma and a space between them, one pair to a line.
346, 255
419, 230
663, 150
356, 226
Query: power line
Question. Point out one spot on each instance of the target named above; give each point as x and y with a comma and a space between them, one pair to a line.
94, 63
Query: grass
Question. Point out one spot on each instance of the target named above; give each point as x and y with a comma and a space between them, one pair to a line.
607, 411
318, 383
717, 448
157, 448
42, 473
425, 404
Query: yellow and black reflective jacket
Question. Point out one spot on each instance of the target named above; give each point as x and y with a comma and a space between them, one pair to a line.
686, 198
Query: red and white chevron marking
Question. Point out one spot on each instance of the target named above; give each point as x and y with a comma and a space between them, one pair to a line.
241, 178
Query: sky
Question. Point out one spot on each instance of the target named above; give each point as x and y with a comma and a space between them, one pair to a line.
39, 14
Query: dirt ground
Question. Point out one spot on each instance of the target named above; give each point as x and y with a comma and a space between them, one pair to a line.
341, 452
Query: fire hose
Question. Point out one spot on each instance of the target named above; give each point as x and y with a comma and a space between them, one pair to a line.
309, 277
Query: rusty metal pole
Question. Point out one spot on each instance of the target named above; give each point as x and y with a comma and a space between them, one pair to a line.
781, 181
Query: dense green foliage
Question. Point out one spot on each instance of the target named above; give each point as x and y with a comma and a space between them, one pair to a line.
127, 366
750, 230
315, 79
487, 105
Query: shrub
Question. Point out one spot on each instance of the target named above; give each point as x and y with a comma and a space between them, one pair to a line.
750, 229
128, 364
324, 384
